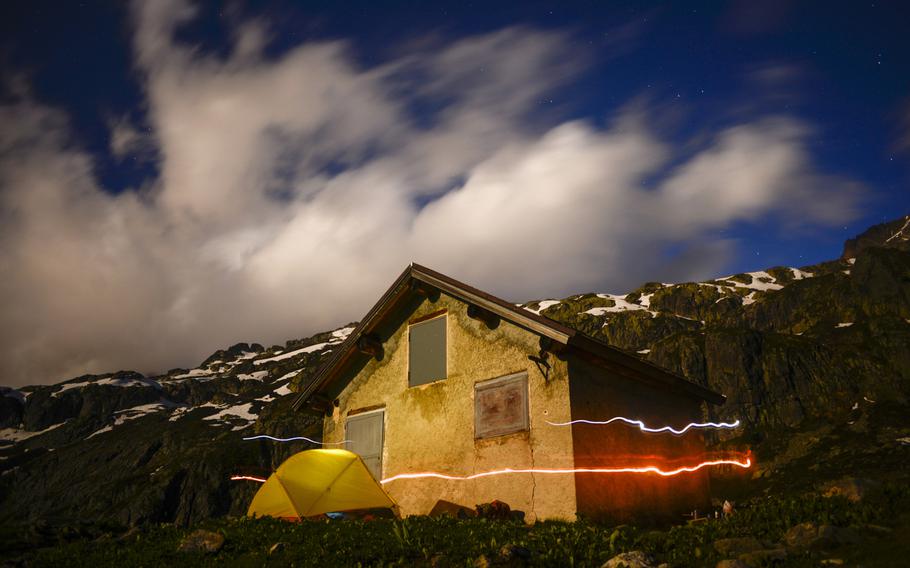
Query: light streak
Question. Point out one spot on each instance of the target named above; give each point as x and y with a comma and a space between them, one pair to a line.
247, 478
312, 441
644, 428
645, 469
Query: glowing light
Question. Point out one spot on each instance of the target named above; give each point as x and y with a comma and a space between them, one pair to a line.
644, 428
247, 478
304, 438
645, 469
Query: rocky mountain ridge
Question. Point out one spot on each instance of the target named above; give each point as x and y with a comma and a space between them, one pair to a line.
811, 358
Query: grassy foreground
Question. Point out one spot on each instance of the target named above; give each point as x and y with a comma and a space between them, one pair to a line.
882, 520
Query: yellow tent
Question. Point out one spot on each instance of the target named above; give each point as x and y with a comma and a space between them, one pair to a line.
318, 481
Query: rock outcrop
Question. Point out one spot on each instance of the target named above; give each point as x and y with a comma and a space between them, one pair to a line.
813, 360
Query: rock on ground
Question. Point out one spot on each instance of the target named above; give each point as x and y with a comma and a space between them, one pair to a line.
812, 535
633, 559
737, 546
763, 557
731, 564
202, 541
852, 488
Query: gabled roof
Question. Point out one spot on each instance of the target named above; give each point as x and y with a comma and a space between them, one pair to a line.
416, 275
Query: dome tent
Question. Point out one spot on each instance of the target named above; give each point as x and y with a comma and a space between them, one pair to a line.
315, 482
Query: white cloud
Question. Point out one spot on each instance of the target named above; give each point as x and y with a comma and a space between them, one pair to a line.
754, 169
291, 194
127, 140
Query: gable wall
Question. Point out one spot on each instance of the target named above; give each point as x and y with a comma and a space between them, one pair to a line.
431, 427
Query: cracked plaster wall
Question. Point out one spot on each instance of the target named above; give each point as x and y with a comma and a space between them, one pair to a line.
431, 427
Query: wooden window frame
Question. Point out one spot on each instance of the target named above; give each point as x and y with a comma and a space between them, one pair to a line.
525, 426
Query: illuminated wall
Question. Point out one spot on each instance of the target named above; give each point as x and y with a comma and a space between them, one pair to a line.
598, 394
431, 427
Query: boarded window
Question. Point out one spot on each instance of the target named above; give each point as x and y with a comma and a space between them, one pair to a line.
363, 435
501, 406
427, 351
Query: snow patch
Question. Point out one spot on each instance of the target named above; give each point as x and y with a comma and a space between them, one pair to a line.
195, 374
542, 305
342, 333
123, 416
107, 428
16, 435
761, 280
241, 411
851, 261
644, 351
283, 390
109, 381
845, 324
900, 232
288, 376
800, 274
296, 352
620, 304
179, 413
255, 376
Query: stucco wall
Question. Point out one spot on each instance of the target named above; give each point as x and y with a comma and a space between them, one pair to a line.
598, 394
431, 427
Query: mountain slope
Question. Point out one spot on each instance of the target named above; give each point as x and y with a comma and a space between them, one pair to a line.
132, 449
814, 360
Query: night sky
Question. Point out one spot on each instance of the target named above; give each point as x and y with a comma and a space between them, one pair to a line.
175, 178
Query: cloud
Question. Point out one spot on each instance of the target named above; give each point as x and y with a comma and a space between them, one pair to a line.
292, 189
127, 140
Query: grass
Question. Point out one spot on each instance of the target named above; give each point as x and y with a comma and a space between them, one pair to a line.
424, 541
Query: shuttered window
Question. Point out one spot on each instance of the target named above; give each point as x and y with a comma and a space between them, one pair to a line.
427, 351
363, 436
501, 406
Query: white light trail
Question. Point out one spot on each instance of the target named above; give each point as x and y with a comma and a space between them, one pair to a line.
644, 428
295, 438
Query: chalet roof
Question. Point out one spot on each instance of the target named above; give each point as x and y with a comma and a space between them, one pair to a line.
420, 278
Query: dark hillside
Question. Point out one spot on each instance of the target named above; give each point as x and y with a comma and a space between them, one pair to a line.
814, 360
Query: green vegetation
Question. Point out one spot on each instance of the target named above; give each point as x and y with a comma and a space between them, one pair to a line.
878, 519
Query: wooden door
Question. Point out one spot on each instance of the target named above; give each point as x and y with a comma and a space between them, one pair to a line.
364, 435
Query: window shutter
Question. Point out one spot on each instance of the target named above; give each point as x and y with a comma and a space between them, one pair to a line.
427, 351
501, 406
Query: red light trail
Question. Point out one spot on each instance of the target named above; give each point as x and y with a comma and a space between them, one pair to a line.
644, 469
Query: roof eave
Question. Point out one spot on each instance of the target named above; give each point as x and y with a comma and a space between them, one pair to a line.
516, 315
